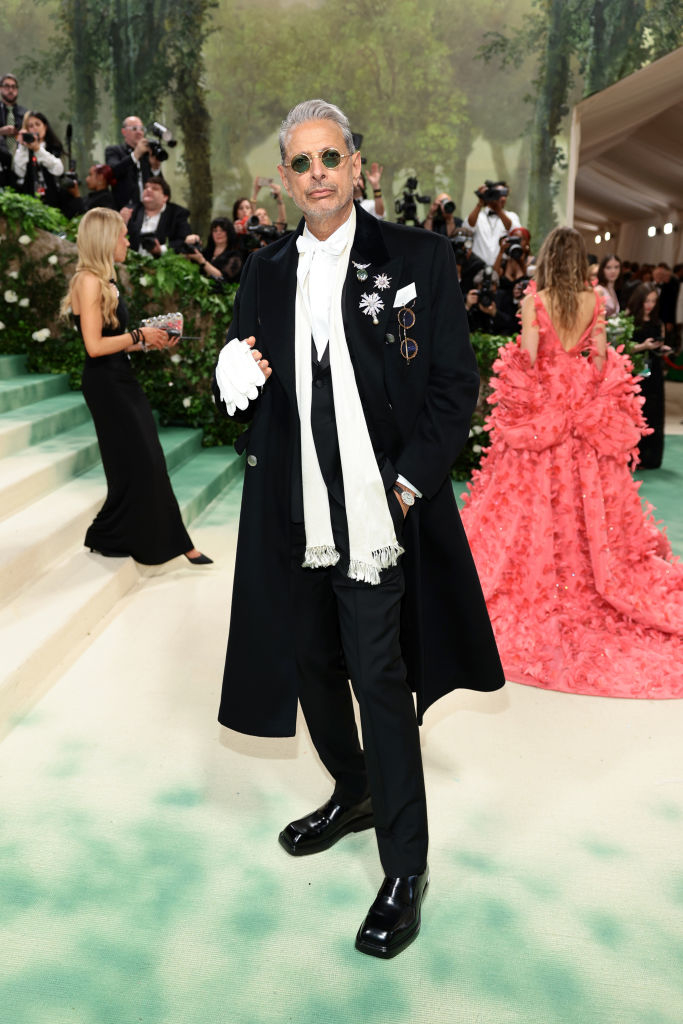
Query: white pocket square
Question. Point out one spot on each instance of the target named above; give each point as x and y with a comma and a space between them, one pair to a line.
405, 294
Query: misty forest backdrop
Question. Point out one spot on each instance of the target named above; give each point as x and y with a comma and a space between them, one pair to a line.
447, 90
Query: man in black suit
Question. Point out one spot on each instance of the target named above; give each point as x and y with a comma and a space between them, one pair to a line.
11, 116
351, 560
131, 163
156, 224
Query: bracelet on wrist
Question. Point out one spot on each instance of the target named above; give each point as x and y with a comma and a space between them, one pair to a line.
377, 192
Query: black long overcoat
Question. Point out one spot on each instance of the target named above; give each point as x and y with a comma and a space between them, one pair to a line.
418, 415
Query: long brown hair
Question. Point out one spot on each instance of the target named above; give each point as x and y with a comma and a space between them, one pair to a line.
97, 236
562, 271
636, 301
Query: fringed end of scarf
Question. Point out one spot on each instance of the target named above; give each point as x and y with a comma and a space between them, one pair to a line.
369, 572
320, 557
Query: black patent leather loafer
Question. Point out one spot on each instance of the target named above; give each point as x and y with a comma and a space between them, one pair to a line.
324, 827
393, 920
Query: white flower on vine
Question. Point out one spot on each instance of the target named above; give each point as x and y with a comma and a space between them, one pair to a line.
42, 335
371, 304
2, 326
10, 296
175, 358
52, 259
24, 239
23, 302
14, 274
476, 448
382, 281
143, 280
187, 402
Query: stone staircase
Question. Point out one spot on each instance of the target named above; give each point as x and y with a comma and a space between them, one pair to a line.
53, 592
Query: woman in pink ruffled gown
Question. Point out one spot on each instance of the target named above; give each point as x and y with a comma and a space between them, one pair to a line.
583, 591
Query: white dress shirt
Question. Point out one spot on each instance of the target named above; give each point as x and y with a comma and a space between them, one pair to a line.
317, 289
488, 231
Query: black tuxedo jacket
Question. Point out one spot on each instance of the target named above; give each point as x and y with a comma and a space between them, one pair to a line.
121, 161
418, 416
6, 175
173, 226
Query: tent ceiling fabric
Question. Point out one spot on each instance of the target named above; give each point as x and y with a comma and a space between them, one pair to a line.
630, 157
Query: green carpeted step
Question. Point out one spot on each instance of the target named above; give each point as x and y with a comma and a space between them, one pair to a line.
31, 424
203, 478
30, 388
32, 472
12, 366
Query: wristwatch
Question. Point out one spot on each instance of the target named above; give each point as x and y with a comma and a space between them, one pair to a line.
407, 497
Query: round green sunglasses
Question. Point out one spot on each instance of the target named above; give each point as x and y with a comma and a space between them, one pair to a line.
328, 157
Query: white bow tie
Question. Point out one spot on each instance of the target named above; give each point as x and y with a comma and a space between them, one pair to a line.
333, 246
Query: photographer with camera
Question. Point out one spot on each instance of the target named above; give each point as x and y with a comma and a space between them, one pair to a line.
132, 163
491, 220
99, 180
440, 217
220, 259
480, 302
260, 212
11, 117
37, 163
512, 267
156, 224
468, 265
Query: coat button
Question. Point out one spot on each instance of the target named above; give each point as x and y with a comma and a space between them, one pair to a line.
389, 339
251, 460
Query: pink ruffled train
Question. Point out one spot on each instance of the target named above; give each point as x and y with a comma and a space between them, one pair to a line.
583, 591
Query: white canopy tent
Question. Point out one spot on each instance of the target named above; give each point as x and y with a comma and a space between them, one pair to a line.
626, 165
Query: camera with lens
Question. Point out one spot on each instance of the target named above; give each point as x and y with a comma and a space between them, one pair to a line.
148, 242
69, 180
163, 134
28, 137
447, 206
406, 206
514, 249
492, 192
462, 246
189, 249
487, 292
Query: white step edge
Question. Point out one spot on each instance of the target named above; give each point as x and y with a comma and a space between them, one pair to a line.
50, 619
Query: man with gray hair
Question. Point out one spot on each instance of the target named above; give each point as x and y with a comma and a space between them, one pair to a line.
349, 357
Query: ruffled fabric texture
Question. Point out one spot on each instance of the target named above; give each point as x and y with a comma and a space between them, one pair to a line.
583, 591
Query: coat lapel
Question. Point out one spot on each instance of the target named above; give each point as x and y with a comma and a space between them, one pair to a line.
366, 339
277, 288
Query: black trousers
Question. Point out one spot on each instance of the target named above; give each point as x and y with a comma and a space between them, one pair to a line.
347, 630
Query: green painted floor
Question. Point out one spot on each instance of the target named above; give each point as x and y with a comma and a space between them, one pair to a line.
141, 879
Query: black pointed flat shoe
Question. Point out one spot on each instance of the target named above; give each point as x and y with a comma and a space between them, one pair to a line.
393, 920
324, 827
200, 559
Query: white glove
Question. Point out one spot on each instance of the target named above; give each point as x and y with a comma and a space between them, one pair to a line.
238, 375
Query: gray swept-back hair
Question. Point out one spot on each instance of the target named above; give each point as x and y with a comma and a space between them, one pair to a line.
315, 110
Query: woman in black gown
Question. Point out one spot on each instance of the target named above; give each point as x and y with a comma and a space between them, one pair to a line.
648, 335
140, 516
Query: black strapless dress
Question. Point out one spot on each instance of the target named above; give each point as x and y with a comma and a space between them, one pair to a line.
140, 516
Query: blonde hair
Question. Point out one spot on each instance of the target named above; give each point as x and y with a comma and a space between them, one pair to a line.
562, 271
97, 236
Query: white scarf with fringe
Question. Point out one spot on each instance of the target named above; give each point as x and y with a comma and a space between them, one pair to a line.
372, 538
